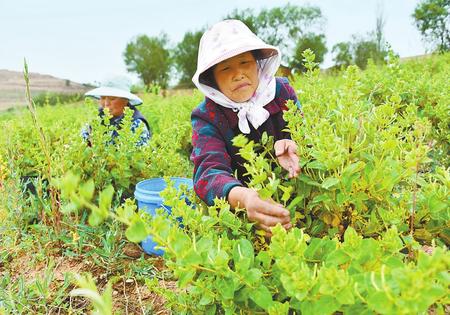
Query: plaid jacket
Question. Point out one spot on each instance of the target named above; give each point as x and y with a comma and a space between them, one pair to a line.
214, 156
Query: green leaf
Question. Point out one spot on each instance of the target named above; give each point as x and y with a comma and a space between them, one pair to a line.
324, 305
294, 202
97, 216
318, 248
227, 288
211, 309
102, 304
308, 180
204, 244
125, 213
185, 276
180, 242
278, 308
350, 173
380, 303
229, 219
239, 141
303, 162
394, 263
206, 299
262, 297
321, 198
87, 190
243, 255
341, 198
336, 258
313, 247
264, 258
69, 208
264, 138
253, 276
69, 183
354, 167
316, 165
345, 296
351, 237
287, 191
330, 182
265, 193
347, 180
327, 305
192, 258
105, 198
137, 231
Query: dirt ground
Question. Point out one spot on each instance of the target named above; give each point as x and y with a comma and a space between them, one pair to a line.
129, 295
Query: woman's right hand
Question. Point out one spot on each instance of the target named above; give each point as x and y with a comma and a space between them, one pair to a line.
286, 153
265, 213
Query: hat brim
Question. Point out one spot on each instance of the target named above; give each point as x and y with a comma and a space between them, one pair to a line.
266, 51
109, 91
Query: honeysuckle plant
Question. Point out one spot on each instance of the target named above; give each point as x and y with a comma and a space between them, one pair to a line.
219, 269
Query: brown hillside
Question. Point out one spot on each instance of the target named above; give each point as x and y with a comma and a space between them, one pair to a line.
12, 87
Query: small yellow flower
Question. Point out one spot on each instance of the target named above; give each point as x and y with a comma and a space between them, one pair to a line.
75, 237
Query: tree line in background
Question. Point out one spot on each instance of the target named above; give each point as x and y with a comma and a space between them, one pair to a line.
292, 28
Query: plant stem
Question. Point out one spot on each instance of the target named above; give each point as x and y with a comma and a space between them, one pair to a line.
414, 202
56, 218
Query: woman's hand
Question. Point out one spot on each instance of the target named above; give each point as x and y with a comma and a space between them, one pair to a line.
286, 153
265, 213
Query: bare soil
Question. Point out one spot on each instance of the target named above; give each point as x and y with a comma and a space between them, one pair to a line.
129, 295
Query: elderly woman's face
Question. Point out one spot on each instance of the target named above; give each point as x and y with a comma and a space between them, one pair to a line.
115, 105
237, 77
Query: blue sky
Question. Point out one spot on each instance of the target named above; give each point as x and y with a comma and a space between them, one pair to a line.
84, 40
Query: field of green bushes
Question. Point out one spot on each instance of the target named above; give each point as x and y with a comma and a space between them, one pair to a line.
370, 208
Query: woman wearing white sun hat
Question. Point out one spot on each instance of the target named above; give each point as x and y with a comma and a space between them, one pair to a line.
236, 73
114, 96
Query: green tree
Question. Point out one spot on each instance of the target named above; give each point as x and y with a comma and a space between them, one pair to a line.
432, 18
362, 48
185, 57
342, 54
150, 58
284, 26
359, 51
365, 49
309, 41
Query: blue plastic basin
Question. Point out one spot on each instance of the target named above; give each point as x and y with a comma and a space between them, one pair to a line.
147, 194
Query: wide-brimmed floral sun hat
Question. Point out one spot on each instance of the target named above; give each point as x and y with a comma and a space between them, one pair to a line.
227, 39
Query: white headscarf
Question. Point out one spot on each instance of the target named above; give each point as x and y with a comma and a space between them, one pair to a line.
227, 39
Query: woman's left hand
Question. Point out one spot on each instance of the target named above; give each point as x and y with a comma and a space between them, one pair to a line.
286, 153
